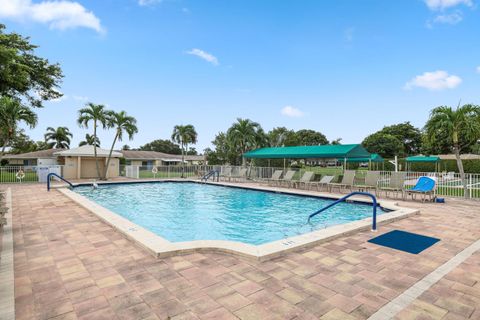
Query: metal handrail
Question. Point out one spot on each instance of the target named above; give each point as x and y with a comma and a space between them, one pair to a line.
59, 177
211, 173
374, 200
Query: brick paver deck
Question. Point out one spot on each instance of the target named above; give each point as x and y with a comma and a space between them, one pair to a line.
70, 265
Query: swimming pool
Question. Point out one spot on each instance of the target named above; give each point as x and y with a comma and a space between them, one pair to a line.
187, 211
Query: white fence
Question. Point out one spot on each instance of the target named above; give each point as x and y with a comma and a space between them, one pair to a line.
448, 184
25, 174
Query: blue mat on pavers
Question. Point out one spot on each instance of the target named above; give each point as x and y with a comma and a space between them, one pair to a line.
404, 241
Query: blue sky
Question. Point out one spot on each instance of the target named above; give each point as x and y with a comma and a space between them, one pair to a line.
345, 68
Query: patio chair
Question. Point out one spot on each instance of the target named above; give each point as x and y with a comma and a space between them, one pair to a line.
275, 176
304, 180
242, 175
346, 183
425, 186
371, 182
323, 182
396, 184
287, 179
226, 173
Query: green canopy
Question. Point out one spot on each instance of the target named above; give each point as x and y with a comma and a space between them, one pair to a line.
374, 157
342, 151
423, 159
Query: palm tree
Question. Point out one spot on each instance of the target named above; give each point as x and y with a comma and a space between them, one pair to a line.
246, 135
58, 138
184, 135
122, 123
462, 122
12, 112
97, 114
90, 140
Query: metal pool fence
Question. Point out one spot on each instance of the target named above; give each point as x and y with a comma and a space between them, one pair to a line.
27, 174
448, 184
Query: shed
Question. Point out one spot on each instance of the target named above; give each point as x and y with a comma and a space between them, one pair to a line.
80, 162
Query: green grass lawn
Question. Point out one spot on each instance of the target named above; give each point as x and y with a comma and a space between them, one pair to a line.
6, 177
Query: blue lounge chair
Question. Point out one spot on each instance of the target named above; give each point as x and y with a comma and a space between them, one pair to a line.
424, 186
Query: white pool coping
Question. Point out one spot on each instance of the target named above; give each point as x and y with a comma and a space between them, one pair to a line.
161, 247
7, 283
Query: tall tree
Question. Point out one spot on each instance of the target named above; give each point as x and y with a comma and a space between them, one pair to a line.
245, 135
281, 137
464, 121
308, 137
184, 135
122, 123
97, 114
384, 144
410, 136
21, 143
223, 152
90, 140
25, 75
12, 113
336, 141
58, 138
165, 146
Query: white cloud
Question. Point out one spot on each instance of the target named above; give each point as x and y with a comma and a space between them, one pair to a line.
478, 69
436, 80
452, 18
290, 111
148, 2
204, 55
61, 14
80, 98
444, 4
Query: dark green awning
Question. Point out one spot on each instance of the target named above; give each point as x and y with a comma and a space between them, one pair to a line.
343, 151
423, 159
374, 157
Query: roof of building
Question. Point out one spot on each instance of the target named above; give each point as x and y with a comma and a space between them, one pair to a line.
49, 153
310, 152
189, 157
87, 151
154, 155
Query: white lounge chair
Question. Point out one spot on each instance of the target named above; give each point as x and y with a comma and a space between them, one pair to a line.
304, 180
346, 183
323, 182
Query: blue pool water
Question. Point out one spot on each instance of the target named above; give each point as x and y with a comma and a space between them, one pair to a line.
190, 211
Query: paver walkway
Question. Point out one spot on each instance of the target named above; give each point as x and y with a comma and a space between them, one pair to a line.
69, 265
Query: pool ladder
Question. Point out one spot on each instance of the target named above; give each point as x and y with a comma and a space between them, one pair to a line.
59, 177
212, 173
374, 202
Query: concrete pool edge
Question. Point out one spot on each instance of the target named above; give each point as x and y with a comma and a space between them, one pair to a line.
161, 247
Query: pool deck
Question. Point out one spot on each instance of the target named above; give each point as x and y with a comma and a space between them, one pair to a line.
68, 264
